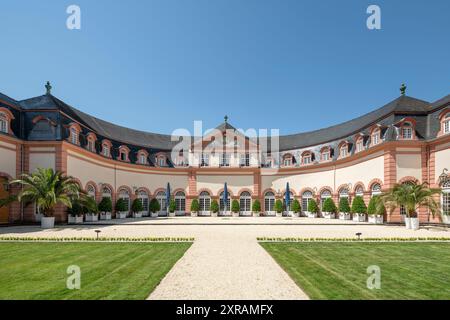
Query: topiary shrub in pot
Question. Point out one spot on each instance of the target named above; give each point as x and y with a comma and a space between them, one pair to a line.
296, 207
344, 209
172, 207
154, 207
359, 209
195, 207
214, 208
329, 209
256, 208
313, 209
75, 214
235, 208
376, 210
137, 208
121, 209
105, 208
278, 207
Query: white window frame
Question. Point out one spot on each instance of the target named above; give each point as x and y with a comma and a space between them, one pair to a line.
106, 192
307, 196
325, 156
105, 150
446, 125
4, 123
245, 202
204, 200
180, 202
445, 199
343, 151
204, 160
407, 132
125, 195
269, 202
323, 196
307, 159
74, 135
142, 196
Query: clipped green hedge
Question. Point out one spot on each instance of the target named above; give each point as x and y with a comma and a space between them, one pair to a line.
296, 207
195, 205
358, 205
172, 205
376, 206
105, 205
312, 206
344, 206
137, 206
94, 239
278, 206
390, 239
329, 206
235, 207
256, 206
214, 206
154, 206
121, 205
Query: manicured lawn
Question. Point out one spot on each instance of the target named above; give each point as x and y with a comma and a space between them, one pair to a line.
339, 270
108, 270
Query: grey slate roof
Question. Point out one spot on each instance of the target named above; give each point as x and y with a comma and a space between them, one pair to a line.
387, 115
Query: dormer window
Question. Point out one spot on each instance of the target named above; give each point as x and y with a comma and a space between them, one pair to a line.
123, 153
287, 160
375, 137
306, 158
4, 122
447, 126
204, 161
444, 118
225, 159
91, 138
343, 150
245, 160
407, 131
161, 160
360, 145
123, 156
74, 135
142, 158
325, 154
106, 149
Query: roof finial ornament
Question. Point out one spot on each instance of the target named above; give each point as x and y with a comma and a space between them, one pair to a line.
226, 119
48, 87
403, 89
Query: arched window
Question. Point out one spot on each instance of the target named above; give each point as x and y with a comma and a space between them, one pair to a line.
306, 198
106, 149
90, 191
74, 135
205, 203
343, 150
288, 160
3, 122
124, 194
407, 131
106, 192
344, 193
161, 198
359, 191
180, 202
222, 205
445, 122
323, 196
360, 144
375, 137
325, 154
306, 158
161, 160
445, 198
245, 202
269, 202
123, 153
143, 198
376, 189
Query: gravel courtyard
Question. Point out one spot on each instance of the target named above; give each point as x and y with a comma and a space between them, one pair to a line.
225, 261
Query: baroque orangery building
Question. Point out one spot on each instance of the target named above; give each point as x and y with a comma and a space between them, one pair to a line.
405, 140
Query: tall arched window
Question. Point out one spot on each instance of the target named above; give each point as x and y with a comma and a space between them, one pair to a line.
106, 192
376, 189
359, 191
344, 193
143, 198
125, 195
222, 205
323, 196
161, 198
306, 198
90, 191
3, 122
245, 202
269, 202
205, 203
74, 135
445, 198
180, 202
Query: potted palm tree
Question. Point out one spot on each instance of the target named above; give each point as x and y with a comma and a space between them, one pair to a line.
154, 208
121, 209
296, 208
411, 196
195, 207
214, 208
105, 208
329, 209
137, 208
172, 207
90, 207
46, 188
376, 210
313, 209
278, 207
256, 208
344, 209
235, 208
359, 209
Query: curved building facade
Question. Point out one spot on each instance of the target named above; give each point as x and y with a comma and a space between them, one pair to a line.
405, 140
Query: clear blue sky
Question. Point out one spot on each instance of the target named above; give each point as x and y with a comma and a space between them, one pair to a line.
161, 64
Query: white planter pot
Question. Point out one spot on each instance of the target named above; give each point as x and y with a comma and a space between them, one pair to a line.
408, 223
154, 214
279, 214
359, 217
75, 219
105, 216
172, 214
344, 216
121, 215
311, 214
214, 214
91, 217
376, 219
256, 214
47, 222
137, 214
194, 214
328, 215
414, 223
235, 214
446, 219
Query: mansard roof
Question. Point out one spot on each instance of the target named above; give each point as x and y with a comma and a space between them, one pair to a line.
425, 114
